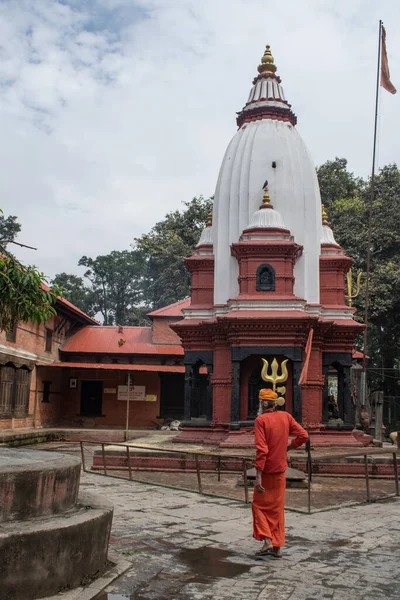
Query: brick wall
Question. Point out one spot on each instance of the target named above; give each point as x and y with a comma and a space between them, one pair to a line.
29, 348
142, 414
162, 332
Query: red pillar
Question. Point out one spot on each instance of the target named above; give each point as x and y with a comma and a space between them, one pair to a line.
222, 385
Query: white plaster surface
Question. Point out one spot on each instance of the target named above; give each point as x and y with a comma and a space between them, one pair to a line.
294, 193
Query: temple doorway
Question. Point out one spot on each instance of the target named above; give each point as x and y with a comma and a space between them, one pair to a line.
172, 394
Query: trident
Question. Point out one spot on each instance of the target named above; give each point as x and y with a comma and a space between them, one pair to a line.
274, 378
350, 295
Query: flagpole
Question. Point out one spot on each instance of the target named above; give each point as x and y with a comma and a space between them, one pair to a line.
370, 213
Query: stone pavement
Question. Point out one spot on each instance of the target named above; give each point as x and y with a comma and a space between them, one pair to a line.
183, 546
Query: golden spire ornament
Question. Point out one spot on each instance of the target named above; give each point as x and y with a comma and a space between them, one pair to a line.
266, 201
267, 62
209, 218
325, 221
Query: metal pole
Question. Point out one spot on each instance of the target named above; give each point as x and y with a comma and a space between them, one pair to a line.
104, 459
396, 474
370, 215
246, 487
219, 468
198, 475
127, 408
83, 457
309, 475
367, 478
128, 458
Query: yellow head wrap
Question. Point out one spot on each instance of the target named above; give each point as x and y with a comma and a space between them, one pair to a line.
267, 395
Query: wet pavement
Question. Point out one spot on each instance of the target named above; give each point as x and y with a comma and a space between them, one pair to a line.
183, 546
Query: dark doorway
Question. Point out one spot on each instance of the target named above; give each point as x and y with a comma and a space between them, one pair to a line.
91, 398
201, 397
172, 395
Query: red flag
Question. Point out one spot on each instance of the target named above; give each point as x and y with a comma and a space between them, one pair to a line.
304, 371
385, 74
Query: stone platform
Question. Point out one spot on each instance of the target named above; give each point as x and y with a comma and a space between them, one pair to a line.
50, 539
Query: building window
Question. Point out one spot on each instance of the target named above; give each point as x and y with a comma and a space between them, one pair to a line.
49, 340
11, 335
14, 391
265, 278
46, 391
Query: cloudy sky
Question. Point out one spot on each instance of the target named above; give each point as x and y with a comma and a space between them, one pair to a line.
113, 112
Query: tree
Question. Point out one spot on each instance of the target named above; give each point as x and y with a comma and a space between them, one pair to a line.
75, 291
116, 284
349, 217
336, 182
165, 248
9, 229
23, 293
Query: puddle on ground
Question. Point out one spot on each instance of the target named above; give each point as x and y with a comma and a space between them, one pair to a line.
202, 565
211, 562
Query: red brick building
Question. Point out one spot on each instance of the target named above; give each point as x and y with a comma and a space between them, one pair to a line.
27, 395
72, 372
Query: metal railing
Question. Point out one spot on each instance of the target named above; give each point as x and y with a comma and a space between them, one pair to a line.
245, 463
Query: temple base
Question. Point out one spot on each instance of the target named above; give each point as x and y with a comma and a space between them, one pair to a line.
244, 437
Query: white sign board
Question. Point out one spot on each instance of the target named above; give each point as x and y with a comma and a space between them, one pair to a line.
137, 393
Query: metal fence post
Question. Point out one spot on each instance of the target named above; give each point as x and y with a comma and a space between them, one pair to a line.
198, 474
83, 458
128, 458
396, 474
246, 488
219, 468
309, 475
104, 459
367, 478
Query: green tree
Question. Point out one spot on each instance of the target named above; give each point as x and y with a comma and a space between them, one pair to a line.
9, 229
349, 217
75, 290
116, 284
336, 182
23, 293
164, 249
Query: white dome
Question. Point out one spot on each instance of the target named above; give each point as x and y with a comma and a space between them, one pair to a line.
206, 237
266, 218
327, 236
293, 186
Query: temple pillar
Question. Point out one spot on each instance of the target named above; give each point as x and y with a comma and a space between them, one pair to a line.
222, 385
188, 392
297, 391
312, 392
235, 397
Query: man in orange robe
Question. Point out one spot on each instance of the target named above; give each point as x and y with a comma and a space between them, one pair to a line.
272, 429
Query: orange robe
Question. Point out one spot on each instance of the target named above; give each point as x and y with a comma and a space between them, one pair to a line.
272, 430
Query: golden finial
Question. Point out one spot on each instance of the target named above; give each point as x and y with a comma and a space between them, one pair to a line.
267, 62
325, 221
266, 203
209, 218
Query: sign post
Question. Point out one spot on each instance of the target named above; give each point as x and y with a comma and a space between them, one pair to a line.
127, 408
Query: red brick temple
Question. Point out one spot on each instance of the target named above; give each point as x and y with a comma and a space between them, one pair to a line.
267, 277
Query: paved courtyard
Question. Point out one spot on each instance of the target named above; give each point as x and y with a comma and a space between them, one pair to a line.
185, 546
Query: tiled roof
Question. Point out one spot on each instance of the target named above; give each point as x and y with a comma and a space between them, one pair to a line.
114, 367
172, 310
117, 340
64, 302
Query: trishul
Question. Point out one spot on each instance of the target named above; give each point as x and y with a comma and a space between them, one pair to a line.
274, 378
350, 294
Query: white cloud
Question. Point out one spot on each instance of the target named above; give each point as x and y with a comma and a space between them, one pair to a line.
113, 112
